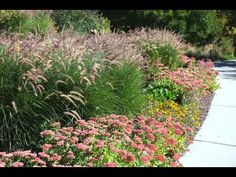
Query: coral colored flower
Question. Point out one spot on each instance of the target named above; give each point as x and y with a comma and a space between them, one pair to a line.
8, 155
130, 157
134, 145
152, 147
2, 164
47, 133
164, 131
39, 161
122, 153
94, 159
60, 143
59, 137
115, 132
159, 65
176, 157
138, 139
100, 143
147, 129
70, 155
90, 164
69, 129
73, 140
88, 140
158, 124
55, 157
17, 164
110, 164
178, 132
140, 147
172, 141
145, 159
33, 155
190, 129
128, 131
42, 154
160, 157
107, 134
46, 147
151, 137
81, 146
2, 153
128, 139
174, 164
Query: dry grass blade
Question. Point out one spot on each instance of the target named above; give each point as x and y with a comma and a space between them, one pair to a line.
73, 114
68, 99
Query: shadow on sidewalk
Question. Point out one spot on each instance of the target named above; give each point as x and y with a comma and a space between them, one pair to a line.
227, 69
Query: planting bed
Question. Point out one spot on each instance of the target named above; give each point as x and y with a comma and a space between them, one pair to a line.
111, 99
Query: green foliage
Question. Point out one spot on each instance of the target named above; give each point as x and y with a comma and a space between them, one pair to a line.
118, 90
226, 48
203, 27
197, 26
165, 54
82, 21
42, 23
10, 20
39, 23
164, 89
18, 21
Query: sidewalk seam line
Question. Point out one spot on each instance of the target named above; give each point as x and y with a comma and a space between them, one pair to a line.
223, 144
225, 106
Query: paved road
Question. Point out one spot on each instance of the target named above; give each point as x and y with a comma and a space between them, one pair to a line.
215, 143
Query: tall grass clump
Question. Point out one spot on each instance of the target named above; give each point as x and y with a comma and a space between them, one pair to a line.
22, 108
68, 78
118, 90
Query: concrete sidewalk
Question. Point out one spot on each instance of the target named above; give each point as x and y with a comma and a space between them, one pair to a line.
215, 143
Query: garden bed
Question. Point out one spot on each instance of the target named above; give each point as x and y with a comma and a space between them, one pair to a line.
113, 100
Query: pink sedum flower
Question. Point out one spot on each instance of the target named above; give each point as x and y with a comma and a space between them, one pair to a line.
100, 143
46, 147
145, 159
46, 133
17, 164
70, 155
60, 143
2, 164
176, 157
110, 164
81, 146
160, 157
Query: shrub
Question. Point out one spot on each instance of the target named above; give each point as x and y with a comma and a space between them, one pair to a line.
226, 48
165, 89
39, 23
10, 20
22, 22
82, 21
112, 141
161, 38
164, 54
